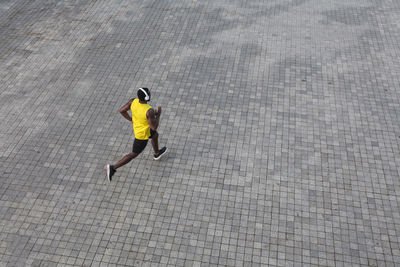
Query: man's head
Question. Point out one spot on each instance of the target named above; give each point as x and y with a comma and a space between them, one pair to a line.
143, 94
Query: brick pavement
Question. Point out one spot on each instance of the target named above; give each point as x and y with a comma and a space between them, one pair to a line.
282, 120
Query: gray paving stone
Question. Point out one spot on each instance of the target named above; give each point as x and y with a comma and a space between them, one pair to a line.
281, 118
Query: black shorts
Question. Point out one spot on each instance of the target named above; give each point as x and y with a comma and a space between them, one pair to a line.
140, 145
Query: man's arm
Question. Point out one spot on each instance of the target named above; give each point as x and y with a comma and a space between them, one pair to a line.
124, 110
153, 118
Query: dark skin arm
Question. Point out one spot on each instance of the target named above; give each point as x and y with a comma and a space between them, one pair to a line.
153, 117
124, 110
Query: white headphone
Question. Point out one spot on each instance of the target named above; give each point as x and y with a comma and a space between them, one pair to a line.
147, 98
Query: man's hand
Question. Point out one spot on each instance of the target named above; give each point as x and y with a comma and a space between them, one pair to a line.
158, 112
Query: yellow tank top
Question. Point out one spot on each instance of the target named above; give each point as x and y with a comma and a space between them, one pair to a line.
141, 127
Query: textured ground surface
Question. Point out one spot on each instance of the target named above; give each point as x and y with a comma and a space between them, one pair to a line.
282, 120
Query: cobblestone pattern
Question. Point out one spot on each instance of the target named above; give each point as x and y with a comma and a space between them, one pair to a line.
282, 120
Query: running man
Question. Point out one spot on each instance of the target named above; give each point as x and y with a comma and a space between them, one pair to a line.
145, 122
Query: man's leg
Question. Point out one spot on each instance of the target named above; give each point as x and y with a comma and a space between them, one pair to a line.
125, 160
158, 153
112, 169
138, 147
154, 142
